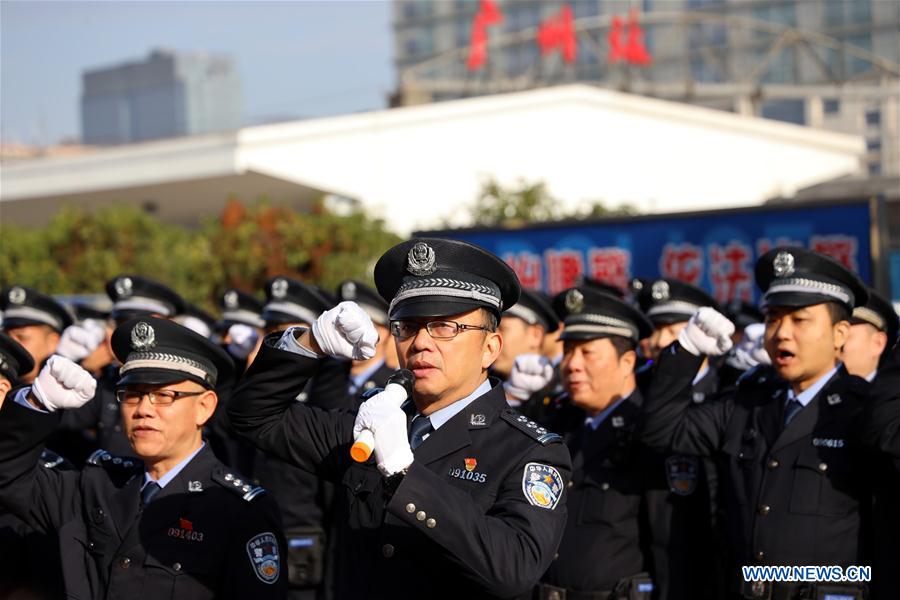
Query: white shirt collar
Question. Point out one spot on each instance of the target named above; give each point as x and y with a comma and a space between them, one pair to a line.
871, 376
806, 396
700, 375
356, 381
441, 416
174, 471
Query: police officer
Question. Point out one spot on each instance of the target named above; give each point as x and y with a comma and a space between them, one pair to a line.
174, 524
873, 333
34, 320
463, 497
198, 320
603, 554
791, 434
241, 325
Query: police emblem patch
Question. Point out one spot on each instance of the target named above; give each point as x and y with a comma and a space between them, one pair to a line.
783, 265
142, 336
279, 288
420, 260
660, 290
542, 485
231, 299
264, 558
124, 286
574, 301
17, 295
682, 473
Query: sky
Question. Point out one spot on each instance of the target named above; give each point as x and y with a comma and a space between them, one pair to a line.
295, 59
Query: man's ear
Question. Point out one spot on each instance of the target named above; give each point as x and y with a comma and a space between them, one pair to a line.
627, 361
493, 343
5, 386
206, 406
841, 331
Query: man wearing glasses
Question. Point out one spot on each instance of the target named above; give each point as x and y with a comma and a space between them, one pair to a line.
174, 522
464, 497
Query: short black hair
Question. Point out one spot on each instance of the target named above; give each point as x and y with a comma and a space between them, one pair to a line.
489, 320
838, 312
622, 344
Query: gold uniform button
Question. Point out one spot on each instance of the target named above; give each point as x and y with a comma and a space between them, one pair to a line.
431, 523
773, 463
760, 555
410, 508
124, 562
387, 551
764, 510
421, 515
823, 467
554, 595
570, 485
604, 486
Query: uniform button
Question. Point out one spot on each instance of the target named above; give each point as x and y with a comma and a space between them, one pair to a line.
124, 562
772, 464
431, 523
760, 555
410, 508
823, 467
570, 485
553, 596
764, 510
91, 545
421, 515
604, 486
387, 551
177, 566
740, 455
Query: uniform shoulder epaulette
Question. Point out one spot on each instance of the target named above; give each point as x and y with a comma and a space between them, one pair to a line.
52, 460
237, 484
758, 376
529, 427
102, 458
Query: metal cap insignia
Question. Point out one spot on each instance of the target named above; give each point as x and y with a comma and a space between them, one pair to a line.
17, 295
142, 336
124, 286
420, 261
231, 299
783, 265
574, 301
279, 288
660, 290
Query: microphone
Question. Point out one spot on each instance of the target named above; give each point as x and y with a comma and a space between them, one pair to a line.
399, 387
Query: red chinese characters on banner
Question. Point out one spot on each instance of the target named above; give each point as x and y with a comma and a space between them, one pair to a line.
683, 262
632, 50
528, 268
730, 271
610, 265
488, 14
564, 267
842, 248
558, 32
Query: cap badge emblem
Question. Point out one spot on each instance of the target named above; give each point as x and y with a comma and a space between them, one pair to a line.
17, 295
348, 290
420, 261
124, 286
574, 301
637, 285
783, 265
142, 336
279, 288
660, 290
231, 299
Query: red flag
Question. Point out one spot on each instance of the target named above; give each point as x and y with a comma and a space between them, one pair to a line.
616, 49
559, 32
635, 52
488, 14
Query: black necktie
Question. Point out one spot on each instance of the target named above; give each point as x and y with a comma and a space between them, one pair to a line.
149, 492
418, 429
791, 409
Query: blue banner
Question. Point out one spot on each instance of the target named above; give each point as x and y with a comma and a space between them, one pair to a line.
716, 251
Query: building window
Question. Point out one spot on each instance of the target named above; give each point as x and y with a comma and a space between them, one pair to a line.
873, 146
831, 106
873, 117
790, 111
875, 169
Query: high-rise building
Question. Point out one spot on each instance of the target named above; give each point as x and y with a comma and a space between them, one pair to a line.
167, 95
831, 64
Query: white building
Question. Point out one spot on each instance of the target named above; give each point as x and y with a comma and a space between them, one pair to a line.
419, 167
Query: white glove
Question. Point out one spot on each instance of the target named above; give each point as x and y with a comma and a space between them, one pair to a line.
530, 373
382, 415
79, 341
707, 333
754, 343
243, 340
346, 331
63, 384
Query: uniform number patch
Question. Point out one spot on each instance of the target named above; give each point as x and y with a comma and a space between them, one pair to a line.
542, 485
263, 552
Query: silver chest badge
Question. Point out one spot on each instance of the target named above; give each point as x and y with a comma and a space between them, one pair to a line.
231, 299
142, 336
783, 265
574, 301
660, 290
279, 288
420, 261
124, 286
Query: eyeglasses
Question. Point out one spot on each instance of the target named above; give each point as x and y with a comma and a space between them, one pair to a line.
439, 330
157, 397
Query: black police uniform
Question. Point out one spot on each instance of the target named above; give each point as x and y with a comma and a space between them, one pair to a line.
207, 534
482, 507
797, 494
